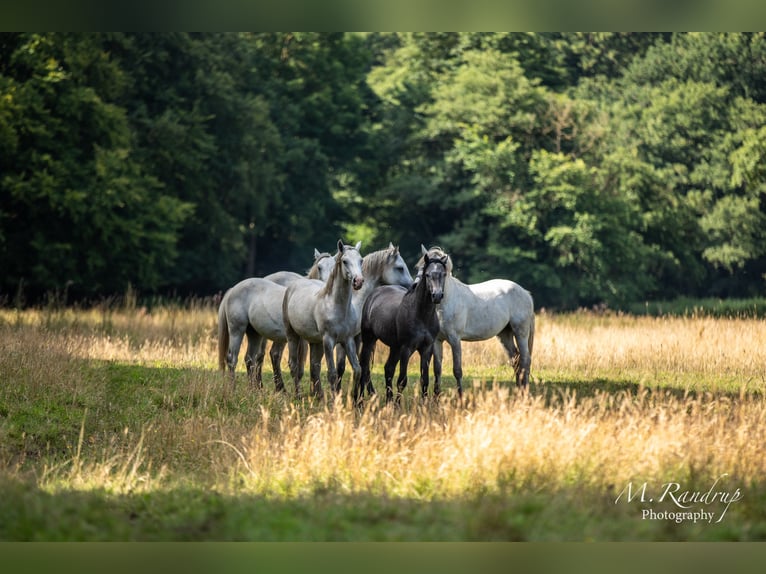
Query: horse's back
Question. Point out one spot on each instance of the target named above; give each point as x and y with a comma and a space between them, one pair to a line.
503, 290
284, 278
236, 300
507, 299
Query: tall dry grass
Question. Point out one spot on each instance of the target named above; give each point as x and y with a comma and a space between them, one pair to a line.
505, 440
552, 438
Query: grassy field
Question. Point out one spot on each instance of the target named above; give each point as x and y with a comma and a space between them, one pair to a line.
116, 425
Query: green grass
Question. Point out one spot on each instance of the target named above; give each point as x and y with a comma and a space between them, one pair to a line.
194, 514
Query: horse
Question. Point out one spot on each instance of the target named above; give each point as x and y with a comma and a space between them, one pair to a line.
321, 269
254, 307
478, 312
383, 267
323, 314
405, 320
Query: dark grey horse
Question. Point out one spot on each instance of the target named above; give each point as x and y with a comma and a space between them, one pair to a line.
406, 321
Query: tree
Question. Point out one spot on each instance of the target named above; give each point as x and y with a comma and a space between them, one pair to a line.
78, 210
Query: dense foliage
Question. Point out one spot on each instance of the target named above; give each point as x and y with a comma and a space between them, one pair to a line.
590, 168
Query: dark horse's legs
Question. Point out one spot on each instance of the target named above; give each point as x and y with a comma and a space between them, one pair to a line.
401, 383
437, 368
365, 359
340, 362
389, 369
425, 359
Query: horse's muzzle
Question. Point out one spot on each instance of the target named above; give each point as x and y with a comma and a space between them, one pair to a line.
357, 283
437, 297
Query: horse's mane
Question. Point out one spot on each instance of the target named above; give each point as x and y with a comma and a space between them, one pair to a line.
374, 263
434, 253
313, 272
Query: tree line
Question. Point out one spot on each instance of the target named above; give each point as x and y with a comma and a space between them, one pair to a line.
589, 167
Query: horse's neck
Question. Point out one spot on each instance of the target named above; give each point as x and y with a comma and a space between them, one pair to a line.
423, 303
360, 296
455, 292
341, 292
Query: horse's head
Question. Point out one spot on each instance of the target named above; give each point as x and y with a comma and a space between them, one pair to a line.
395, 271
350, 262
324, 263
435, 272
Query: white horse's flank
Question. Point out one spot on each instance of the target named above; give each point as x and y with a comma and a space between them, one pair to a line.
480, 311
253, 307
323, 315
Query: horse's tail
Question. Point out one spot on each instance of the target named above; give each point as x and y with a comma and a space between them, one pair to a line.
223, 334
303, 348
531, 339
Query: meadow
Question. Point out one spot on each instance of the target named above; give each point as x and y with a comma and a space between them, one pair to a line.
115, 424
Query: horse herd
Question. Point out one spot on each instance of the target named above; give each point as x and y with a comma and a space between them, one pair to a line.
349, 302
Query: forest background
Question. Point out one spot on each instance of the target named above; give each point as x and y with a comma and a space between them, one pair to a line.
589, 167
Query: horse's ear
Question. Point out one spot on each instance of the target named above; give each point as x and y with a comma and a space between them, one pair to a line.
316, 253
358, 246
340, 245
423, 249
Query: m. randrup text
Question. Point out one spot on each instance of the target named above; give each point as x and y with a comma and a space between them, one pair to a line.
707, 503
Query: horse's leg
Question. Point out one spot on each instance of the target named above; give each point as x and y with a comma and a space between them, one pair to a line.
365, 358
295, 357
329, 357
235, 342
277, 348
315, 368
370, 387
457, 363
506, 339
523, 333
256, 349
425, 359
353, 359
340, 361
438, 350
388, 370
404, 359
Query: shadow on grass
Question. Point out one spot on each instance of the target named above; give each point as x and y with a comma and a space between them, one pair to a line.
326, 514
594, 387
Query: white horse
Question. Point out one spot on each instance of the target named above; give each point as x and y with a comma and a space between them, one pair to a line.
480, 311
253, 307
323, 315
